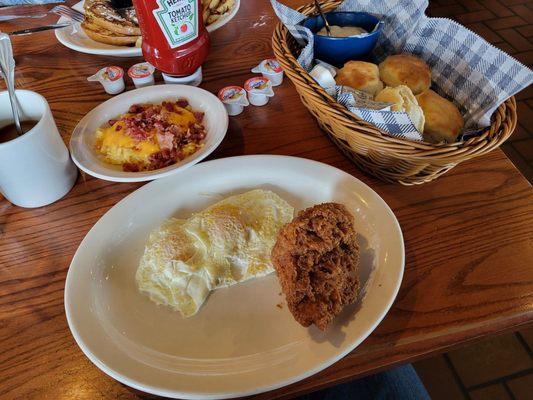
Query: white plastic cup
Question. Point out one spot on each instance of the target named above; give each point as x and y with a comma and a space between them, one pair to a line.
142, 74
111, 78
259, 90
234, 99
271, 69
35, 168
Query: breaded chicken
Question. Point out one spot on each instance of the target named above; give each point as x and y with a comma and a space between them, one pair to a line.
316, 257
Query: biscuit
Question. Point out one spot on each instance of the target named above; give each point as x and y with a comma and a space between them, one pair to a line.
403, 100
316, 258
444, 122
360, 75
404, 69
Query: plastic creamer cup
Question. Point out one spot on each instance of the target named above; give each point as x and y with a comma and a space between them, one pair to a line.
142, 74
111, 78
234, 99
271, 69
259, 90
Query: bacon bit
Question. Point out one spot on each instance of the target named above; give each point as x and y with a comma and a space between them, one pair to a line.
159, 126
138, 134
130, 167
146, 121
136, 108
165, 141
162, 159
199, 116
148, 114
175, 130
182, 103
169, 106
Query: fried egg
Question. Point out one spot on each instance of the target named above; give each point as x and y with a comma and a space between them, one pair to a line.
227, 243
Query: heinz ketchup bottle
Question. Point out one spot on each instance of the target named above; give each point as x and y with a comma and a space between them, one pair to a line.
174, 38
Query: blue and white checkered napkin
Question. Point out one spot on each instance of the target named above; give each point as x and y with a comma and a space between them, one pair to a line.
477, 76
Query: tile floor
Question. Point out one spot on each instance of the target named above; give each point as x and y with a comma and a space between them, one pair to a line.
499, 368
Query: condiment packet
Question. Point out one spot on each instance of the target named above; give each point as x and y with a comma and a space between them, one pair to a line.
331, 68
142, 74
271, 69
111, 78
322, 76
466, 69
259, 90
234, 99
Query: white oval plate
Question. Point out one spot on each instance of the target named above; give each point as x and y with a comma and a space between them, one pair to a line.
75, 38
82, 141
241, 342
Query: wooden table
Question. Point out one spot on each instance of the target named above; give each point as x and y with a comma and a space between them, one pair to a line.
468, 235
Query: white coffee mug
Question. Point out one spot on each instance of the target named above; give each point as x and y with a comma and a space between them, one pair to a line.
35, 168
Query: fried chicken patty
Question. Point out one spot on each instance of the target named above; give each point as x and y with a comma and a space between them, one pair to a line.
316, 257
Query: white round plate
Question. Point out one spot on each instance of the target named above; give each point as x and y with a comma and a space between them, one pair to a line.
224, 19
82, 141
244, 340
75, 38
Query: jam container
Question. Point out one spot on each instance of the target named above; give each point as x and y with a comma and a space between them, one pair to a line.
193, 80
142, 74
234, 99
323, 76
271, 69
259, 90
111, 78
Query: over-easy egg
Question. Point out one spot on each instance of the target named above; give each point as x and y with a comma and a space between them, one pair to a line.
227, 243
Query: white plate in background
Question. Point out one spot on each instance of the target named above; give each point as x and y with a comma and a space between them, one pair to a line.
75, 38
240, 342
83, 139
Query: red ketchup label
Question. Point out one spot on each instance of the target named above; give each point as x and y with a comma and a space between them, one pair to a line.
112, 73
140, 70
256, 84
178, 20
272, 65
230, 93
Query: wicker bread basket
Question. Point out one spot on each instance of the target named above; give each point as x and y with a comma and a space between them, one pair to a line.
372, 150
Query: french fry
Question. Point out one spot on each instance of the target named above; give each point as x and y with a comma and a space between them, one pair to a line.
212, 10
212, 18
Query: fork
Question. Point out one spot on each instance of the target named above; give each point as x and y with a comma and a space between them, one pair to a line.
68, 12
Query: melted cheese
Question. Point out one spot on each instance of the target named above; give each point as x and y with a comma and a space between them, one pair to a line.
119, 148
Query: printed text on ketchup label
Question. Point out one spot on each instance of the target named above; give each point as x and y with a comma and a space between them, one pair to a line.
178, 20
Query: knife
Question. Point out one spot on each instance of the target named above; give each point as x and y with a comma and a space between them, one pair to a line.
14, 16
39, 29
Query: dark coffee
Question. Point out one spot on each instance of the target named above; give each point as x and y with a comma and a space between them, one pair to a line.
9, 132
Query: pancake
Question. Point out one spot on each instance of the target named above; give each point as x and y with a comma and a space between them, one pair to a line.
98, 33
102, 13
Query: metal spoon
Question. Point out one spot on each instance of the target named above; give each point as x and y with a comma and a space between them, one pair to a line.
317, 5
7, 67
